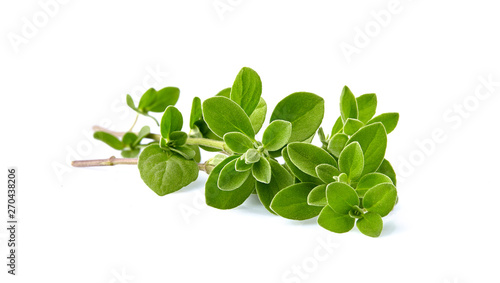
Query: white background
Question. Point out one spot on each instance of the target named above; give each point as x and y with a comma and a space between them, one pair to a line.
73, 69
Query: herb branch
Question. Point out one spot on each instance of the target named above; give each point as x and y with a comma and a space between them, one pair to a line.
344, 182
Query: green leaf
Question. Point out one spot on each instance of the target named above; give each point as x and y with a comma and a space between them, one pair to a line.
241, 165
380, 199
369, 181
277, 135
303, 177
196, 114
238, 142
131, 153
373, 141
230, 179
223, 115
141, 135
177, 139
386, 169
165, 172
208, 134
217, 198
338, 126
342, 178
252, 156
163, 98
197, 153
129, 138
225, 92
322, 137
307, 156
170, 122
262, 171
130, 103
109, 139
304, 110
348, 105
157, 101
371, 224
317, 196
351, 161
367, 106
326, 172
352, 126
337, 144
146, 99
280, 179
259, 115
247, 89
341, 197
335, 222
184, 151
291, 202
389, 120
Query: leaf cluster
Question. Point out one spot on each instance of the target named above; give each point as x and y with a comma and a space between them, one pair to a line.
130, 144
345, 181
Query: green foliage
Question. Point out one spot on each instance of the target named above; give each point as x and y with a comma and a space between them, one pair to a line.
196, 113
238, 142
327, 172
351, 161
109, 139
170, 122
317, 196
230, 179
335, 222
389, 120
371, 224
261, 170
306, 157
304, 110
371, 180
280, 179
223, 115
215, 197
303, 177
165, 171
338, 126
337, 143
351, 126
367, 106
277, 135
130, 145
346, 181
386, 169
348, 105
380, 199
246, 90
291, 202
154, 101
258, 116
373, 142
341, 197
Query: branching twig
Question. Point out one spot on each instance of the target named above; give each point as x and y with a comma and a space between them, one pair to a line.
205, 167
121, 134
104, 162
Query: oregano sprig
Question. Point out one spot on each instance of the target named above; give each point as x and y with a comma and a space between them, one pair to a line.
345, 181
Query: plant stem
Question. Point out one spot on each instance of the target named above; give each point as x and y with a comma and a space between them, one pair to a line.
209, 143
190, 141
205, 167
135, 121
104, 162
